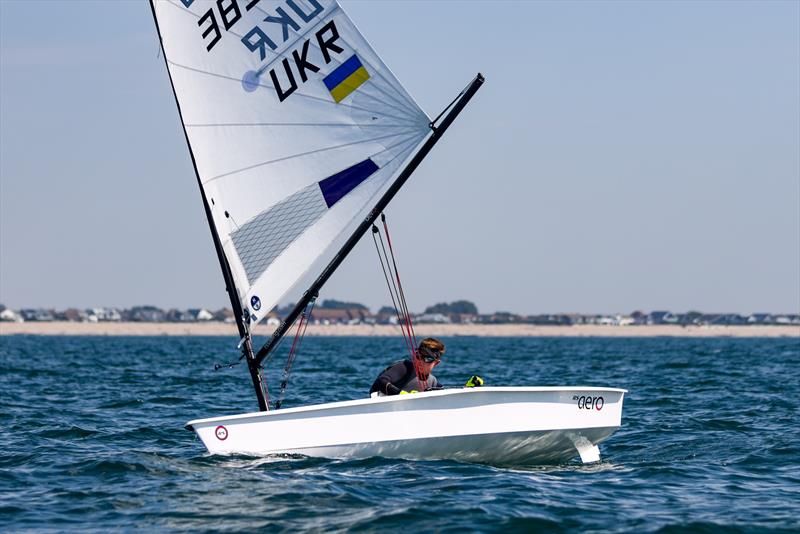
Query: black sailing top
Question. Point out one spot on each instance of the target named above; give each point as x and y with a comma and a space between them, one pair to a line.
401, 376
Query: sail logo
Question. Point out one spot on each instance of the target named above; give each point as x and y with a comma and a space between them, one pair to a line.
346, 78
255, 302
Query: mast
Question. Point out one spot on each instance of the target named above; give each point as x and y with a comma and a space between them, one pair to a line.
312, 292
230, 285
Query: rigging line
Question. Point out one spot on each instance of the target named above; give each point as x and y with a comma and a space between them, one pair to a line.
404, 322
401, 317
314, 124
298, 93
403, 105
302, 154
305, 318
391, 292
397, 273
439, 116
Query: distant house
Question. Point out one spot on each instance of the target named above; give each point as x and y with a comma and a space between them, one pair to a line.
330, 316
10, 316
200, 314
74, 315
787, 319
175, 315
761, 318
30, 314
438, 318
671, 318
224, 315
639, 317
657, 317
551, 319
625, 320
145, 314
724, 319
463, 318
105, 314
606, 320
500, 318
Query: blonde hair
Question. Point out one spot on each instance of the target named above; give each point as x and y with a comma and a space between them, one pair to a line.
431, 346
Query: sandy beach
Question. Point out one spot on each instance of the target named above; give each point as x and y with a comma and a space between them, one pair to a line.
503, 330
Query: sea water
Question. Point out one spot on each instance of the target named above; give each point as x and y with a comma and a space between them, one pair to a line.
93, 439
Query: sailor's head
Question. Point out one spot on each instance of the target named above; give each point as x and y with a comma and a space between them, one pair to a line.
430, 352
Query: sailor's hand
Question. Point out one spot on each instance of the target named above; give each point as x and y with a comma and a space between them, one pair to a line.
474, 382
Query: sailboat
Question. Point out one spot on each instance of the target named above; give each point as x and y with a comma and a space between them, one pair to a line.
300, 136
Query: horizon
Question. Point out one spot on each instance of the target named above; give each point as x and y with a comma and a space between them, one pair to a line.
619, 156
376, 310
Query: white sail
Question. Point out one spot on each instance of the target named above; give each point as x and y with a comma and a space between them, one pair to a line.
295, 124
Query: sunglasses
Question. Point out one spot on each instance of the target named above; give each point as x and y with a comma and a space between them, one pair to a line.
429, 358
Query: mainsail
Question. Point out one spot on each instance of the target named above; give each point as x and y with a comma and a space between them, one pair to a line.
296, 127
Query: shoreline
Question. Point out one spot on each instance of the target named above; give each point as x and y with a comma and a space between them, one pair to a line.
422, 330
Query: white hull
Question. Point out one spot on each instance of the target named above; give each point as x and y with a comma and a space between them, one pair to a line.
497, 425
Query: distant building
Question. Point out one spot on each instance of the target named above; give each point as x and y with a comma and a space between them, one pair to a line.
438, 318
656, 317
500, 318
330, 316
787, 319
10, 316
145, 314
30, 314
723, 319
761, 318
175, 315
224, 315
105, 314
75, 315
200, 314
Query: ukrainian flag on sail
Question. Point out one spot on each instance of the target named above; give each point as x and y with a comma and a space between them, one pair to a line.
346, 78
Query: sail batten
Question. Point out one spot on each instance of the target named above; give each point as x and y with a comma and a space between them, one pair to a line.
296, 127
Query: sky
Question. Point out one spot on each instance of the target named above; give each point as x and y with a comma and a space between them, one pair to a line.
620, 156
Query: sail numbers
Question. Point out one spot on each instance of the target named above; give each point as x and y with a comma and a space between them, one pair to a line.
268, 37
290, 16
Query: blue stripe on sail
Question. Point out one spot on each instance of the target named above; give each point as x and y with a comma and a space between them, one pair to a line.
341, 72
337, 186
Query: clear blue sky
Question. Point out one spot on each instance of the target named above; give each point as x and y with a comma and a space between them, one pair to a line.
620, 156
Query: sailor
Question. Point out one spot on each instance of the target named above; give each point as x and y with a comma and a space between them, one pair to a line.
401, 377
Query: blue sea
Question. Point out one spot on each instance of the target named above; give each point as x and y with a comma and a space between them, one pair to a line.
93, 439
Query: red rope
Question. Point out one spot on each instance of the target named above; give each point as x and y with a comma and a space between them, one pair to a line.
423, 382
392, 290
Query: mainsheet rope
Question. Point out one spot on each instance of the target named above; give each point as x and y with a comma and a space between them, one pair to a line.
302, 325
392, 276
